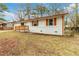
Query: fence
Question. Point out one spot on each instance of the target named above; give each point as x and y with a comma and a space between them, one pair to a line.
21, 28
6, 28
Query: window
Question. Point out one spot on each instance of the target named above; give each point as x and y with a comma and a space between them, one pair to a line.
50, 22
3, 24
34, 23
22, 24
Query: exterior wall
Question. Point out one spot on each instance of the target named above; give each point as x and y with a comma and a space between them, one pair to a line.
20, 28
9, 25
17, 24
42, 28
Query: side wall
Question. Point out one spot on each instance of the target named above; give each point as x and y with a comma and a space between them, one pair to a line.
42, 28
17, 24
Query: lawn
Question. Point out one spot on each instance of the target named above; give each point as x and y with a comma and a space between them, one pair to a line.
28, 44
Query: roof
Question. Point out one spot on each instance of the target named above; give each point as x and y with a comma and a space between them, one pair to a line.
45, 17
42, 18
2, 21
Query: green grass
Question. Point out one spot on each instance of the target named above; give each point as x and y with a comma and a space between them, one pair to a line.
15, 43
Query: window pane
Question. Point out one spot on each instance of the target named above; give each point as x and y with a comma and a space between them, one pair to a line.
35, 23
22, 24
50, 21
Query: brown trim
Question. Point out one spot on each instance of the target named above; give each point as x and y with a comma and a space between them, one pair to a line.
63, 24
46, 22
37, 23
55, 21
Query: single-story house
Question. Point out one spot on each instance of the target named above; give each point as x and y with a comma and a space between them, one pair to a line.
45, 25
10, 25
4, 25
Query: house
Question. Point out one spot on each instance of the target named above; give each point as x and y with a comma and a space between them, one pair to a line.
9, 25
45, 25
4, 25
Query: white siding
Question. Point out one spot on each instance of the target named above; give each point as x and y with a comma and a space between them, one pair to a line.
9, 25
42, 28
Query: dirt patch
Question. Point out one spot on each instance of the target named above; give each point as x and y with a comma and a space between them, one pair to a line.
8, 46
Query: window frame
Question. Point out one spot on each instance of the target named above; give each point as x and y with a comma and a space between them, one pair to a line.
50, 23
22, 23
35, 22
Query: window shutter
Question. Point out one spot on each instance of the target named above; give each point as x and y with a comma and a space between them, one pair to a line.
62, 24
55, 21
37, 22
46, 22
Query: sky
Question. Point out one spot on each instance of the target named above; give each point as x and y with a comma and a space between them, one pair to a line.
12, 8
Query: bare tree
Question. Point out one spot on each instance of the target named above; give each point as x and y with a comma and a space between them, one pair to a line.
41, 10
23, 11
75, 17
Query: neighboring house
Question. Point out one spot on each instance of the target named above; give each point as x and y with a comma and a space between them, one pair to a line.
9, 25
4, 25
45, 25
